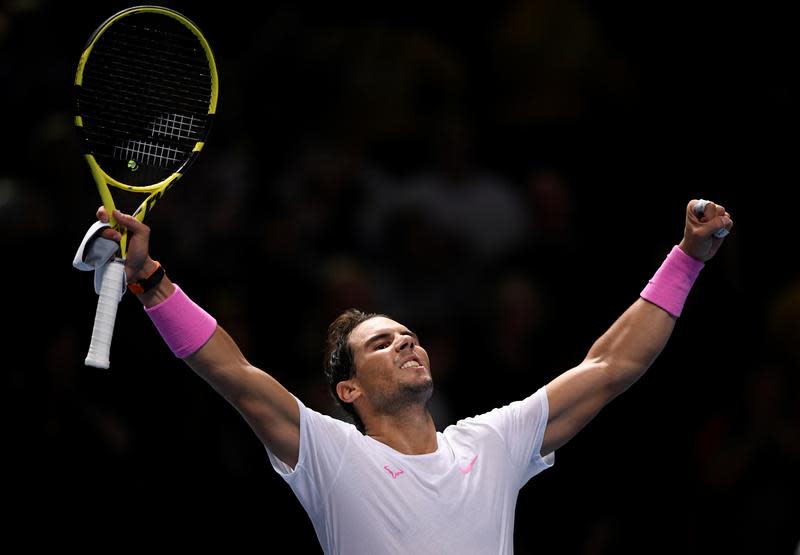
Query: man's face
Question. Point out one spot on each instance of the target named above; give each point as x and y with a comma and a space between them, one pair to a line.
391, 367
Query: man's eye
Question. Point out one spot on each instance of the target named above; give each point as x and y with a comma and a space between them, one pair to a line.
380, 346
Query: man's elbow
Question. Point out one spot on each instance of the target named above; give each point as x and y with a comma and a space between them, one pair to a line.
621, 374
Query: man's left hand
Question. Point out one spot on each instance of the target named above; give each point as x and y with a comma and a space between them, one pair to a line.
699, 239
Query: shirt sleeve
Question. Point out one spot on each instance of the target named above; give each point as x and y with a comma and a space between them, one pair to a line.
521, 424
323, 442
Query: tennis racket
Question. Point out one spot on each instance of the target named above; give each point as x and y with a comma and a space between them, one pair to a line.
146, 93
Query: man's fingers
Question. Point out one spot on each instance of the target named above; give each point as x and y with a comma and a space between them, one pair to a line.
129, 222
111, 234
125, 222
713, 215
108, 233
703, 207
727, 224
722, 222
123, 219
133, 225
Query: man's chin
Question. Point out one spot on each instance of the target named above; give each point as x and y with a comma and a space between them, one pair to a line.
420, 390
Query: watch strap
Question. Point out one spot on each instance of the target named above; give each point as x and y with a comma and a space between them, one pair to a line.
147, 283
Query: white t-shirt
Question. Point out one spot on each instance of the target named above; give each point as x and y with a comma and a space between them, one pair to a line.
364, 497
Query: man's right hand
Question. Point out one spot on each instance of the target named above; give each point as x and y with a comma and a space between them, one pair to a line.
138, 263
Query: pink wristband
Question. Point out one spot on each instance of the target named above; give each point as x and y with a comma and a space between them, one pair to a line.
184, 326
672, 282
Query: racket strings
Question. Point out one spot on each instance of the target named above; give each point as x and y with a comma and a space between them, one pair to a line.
118, 111
126, 75
175, 126
146, 38
132, 61
148, 153
129, 81
145, 97
133, 40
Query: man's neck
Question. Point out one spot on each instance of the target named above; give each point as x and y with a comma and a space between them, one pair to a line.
411, 432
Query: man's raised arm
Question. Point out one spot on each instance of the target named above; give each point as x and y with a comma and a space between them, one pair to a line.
624, 352
269, 409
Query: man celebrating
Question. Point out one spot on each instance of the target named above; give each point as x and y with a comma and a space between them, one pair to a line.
391, 483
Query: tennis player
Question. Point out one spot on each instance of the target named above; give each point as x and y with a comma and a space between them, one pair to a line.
391, 483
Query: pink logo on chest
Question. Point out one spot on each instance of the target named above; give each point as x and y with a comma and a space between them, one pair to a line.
467, 469
392, 473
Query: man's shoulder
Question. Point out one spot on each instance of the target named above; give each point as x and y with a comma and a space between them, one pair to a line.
492, 418
316, 418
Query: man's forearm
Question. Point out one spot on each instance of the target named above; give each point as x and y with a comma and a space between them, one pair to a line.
625, 352
633, 342
631, 345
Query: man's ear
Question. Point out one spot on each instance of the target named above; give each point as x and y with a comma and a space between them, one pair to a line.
348, 390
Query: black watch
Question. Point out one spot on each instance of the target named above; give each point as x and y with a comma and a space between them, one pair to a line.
146, 284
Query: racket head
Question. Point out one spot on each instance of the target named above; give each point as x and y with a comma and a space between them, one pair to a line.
146, 93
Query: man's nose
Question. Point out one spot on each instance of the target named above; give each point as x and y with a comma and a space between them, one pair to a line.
405, 342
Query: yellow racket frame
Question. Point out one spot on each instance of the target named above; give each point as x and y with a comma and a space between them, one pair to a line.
156, 190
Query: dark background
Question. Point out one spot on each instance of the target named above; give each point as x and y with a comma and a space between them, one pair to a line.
503, 180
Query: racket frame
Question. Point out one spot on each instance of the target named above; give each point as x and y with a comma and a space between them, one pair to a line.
113, 285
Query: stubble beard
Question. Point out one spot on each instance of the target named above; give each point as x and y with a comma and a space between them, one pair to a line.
408, 396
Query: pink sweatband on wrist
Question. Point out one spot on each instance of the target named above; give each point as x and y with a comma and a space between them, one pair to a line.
672, 282
184, 326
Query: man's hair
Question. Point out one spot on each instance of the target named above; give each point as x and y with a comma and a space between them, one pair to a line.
338, 361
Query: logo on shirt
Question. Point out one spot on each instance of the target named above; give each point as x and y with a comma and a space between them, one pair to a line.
392, 472
467, 469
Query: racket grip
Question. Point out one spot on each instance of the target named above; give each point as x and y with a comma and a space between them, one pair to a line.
106, 315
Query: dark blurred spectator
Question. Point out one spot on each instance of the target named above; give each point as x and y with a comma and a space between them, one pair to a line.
552, 63
749, 452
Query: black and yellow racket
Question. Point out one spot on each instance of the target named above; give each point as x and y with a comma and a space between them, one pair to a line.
146, 94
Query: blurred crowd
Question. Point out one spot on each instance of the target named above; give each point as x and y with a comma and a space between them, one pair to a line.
487, 181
